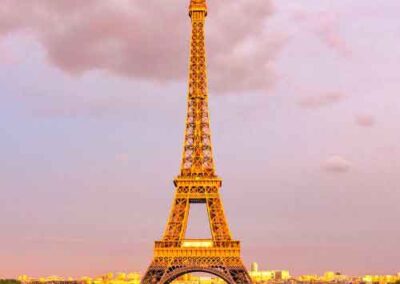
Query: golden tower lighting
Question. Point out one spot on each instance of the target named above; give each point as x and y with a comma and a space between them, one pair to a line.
197, 183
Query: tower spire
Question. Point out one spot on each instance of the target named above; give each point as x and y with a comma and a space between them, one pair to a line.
197, 160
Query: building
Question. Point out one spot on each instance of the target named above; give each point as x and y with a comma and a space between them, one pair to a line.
267, 275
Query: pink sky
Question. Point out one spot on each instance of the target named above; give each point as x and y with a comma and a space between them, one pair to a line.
305, 114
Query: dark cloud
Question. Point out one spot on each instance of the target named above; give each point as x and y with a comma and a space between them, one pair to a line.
149, 39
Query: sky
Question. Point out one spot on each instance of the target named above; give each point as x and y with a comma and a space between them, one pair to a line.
304, 103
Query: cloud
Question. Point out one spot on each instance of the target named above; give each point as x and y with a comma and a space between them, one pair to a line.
365, 120
148, 40
336, 164
122, 157
325, 26
327, 29
316, 101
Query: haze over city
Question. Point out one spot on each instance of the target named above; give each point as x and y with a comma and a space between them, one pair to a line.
304, 113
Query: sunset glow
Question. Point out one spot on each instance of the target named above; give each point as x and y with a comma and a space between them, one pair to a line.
305, 112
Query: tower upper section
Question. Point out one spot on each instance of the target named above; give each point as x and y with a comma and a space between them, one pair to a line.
197, 160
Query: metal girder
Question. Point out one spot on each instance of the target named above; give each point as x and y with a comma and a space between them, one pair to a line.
197, 183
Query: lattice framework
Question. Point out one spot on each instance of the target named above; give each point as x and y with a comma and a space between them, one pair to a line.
197, 183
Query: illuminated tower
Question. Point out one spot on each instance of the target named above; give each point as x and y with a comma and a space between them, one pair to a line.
175, 255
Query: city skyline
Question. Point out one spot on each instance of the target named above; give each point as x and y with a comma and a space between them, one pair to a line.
304, 110
255, 270
257, 273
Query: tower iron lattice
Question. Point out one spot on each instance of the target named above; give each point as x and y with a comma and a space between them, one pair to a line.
197, 183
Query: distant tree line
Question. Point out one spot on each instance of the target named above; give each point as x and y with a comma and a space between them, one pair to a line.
9, 281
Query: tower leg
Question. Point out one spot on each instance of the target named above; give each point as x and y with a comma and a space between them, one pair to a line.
218, 224
156, 270
177, 221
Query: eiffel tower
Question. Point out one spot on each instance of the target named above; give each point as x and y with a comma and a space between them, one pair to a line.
197, 183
